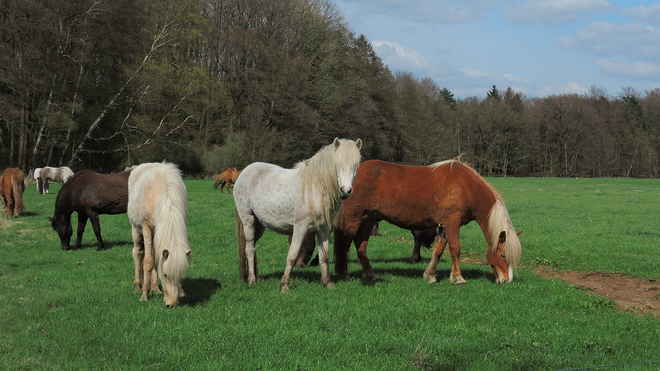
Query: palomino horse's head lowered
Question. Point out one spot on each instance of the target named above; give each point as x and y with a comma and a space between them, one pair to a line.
346, 162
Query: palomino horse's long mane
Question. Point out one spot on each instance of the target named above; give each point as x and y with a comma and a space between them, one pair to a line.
498, 218
320, 173
171, 213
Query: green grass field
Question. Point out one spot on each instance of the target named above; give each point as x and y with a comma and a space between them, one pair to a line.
76, 310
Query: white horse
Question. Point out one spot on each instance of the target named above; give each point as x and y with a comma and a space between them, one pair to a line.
294, 202
157, 209
36, 175
53, 174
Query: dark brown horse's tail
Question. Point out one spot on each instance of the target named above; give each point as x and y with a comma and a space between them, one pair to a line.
18, 185
243, 269
341, 244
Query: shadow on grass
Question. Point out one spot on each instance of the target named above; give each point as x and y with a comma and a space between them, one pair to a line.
414, 272
199, 290
108, 245
28, 213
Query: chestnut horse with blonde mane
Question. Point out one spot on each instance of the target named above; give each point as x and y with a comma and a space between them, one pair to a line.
157, 210
12, 188
447, 195
294, 202
226, 178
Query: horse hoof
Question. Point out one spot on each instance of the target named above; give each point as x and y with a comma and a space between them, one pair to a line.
460, 281
331, 286
285, 289
144, 297
432, 279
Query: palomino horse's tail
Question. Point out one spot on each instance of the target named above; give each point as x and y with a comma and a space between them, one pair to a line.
18, 187
497, 222
243, 268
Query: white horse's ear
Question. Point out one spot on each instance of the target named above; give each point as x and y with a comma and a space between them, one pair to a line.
337, 143
358, 143
166, 254
188, 253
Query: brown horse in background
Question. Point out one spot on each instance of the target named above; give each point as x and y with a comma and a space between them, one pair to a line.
89, 194
226, 178
12, 188
447, 195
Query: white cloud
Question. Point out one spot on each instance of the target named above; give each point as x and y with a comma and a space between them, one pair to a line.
637, 69
573, 87
510, 77
647, 14
608, 38
398, 57
474, 73
554, 11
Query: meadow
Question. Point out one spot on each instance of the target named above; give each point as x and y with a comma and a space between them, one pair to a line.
77, 310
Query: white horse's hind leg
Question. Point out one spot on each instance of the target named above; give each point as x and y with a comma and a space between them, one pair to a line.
324, 260
292, 256
138, 257
250, 240
148, 261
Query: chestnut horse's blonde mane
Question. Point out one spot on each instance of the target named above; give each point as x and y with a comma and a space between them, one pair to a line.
498, 217
320, 173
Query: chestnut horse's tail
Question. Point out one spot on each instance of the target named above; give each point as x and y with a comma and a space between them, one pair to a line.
18, 187
218, 180
499, 221
243, 269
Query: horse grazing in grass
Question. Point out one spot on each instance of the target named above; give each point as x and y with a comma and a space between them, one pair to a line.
52, 174
12, 186
447, 194
157, 209
89, 194
36, 175
226, 178
293, 202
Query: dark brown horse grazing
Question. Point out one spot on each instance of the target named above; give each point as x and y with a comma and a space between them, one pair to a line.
226, 178
447, 194
89, 194
12, 186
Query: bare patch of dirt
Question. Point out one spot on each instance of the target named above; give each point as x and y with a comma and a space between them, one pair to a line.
631, 294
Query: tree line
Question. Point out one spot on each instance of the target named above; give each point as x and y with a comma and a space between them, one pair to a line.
214, 83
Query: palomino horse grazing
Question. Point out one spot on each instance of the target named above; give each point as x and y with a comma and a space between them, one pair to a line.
226, 178
12, 186
157, 209
53, 174
447, 194
295, 202
89, 194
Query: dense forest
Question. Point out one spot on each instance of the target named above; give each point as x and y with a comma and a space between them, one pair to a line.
214, 83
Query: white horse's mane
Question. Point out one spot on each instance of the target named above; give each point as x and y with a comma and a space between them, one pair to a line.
320, 173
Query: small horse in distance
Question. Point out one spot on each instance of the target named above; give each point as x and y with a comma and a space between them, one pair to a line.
226, 178
447, 195
89, 194
12, 186
54, 174
157, 209
294, 202
36, 175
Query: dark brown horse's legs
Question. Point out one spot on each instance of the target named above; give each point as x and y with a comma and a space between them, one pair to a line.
94, 218
82, 222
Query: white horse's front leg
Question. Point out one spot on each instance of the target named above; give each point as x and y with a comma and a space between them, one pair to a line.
324, 260
292, 256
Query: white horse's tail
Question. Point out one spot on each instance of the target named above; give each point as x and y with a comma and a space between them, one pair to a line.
243, 269
497, 222
171, 233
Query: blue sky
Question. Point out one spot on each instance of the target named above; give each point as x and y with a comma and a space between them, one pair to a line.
537, 47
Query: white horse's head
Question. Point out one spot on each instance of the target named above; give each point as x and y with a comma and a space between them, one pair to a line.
172, 269
347, 159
